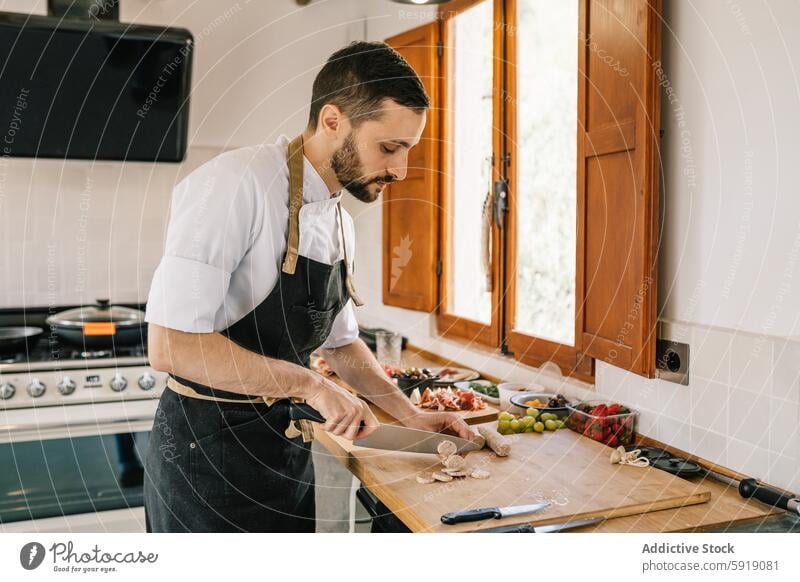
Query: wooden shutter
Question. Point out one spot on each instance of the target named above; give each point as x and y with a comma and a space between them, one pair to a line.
410, 207
618, 180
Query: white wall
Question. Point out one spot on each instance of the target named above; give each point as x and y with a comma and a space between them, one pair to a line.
732, 237
731, 243
74, 231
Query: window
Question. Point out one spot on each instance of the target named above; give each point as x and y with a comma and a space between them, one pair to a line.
542, 113
470, 153
471, 298
547, 105
546, 180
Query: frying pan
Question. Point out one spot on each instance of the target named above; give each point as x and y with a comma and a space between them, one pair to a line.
16, 340
99, 326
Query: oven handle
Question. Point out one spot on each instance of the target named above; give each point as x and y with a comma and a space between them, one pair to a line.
53, 426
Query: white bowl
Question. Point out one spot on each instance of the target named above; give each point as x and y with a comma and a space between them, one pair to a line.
508, 389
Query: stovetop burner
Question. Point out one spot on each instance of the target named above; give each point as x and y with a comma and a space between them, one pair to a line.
52, 351
50, 354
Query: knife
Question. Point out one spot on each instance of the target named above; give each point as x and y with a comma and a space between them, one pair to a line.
392, 437
490, 513
550, 528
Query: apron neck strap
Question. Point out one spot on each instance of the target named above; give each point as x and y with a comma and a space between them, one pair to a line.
294, 160
351, 287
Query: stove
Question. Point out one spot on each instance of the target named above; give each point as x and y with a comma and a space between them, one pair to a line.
55, 373
74, 427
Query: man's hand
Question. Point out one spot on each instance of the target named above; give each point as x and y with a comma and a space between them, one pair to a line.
343, 412
445, 422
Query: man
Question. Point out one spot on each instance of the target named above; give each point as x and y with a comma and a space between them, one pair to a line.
256, 275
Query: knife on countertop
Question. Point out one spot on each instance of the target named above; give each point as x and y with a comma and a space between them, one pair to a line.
483, 513
392, 437
549, 528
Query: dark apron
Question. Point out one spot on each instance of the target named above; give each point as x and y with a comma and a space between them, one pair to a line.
221, 466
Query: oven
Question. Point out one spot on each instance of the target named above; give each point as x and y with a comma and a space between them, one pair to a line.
74, 426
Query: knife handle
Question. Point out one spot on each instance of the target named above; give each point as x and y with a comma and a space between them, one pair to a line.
471, 515
298, 411
304, 412
752, 488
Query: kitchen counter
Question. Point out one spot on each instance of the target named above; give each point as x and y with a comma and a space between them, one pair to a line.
726, 510
786, 523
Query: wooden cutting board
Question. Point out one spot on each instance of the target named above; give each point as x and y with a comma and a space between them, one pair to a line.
571, 471
470, 416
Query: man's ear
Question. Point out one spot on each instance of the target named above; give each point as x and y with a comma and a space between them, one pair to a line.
330, 120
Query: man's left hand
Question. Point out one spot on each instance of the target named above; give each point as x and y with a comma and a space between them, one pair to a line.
444, 422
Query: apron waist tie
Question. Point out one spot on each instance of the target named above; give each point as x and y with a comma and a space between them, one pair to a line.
296, 428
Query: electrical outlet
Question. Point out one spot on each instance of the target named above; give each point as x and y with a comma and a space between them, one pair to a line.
672, 361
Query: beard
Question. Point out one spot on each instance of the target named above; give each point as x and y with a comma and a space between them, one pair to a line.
346, 164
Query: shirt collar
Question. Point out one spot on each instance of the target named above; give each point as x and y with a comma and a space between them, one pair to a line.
314, 188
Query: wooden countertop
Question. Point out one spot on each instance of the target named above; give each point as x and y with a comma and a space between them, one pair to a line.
725, 506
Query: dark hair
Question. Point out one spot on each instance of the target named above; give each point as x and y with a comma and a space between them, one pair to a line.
359, 77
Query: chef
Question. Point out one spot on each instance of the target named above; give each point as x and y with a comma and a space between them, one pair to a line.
257, 274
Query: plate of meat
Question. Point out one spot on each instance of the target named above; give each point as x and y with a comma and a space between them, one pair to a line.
447, 398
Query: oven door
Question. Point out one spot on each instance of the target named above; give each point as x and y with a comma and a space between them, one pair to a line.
87, 467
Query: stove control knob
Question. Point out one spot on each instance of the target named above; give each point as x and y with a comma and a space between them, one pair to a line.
146, 381
7, 390
36, 388
67, 386
118, 383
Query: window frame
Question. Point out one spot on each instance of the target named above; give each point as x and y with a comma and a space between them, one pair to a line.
501, 333
450, 324
528, 348
626, 289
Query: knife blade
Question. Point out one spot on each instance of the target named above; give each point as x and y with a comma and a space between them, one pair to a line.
482, 513
392, 437
550, 528
411, 440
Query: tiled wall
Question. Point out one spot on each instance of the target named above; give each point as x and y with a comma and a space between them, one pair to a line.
75, 231
740, 410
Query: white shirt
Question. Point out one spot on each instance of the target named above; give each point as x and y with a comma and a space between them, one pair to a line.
227, 237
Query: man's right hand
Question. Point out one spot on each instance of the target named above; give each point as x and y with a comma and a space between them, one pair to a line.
343, 412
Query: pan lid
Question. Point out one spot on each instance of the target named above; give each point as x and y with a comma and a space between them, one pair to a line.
101, 312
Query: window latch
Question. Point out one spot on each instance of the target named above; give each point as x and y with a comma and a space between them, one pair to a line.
500, 202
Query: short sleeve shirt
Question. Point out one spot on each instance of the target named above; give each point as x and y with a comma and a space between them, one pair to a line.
226, 239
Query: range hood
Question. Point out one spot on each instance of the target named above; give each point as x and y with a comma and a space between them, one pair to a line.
78, 84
